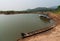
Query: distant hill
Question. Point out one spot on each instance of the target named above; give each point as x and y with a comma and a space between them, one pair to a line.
41, 9
54, 7
34, 10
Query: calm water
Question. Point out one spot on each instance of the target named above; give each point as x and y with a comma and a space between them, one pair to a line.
12, 25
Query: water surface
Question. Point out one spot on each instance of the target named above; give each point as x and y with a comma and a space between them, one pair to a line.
12, 25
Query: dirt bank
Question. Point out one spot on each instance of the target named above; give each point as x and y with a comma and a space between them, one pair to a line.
51, 35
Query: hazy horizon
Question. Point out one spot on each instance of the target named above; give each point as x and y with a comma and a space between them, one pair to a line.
26, 4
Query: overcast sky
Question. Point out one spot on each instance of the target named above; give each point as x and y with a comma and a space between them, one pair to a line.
26, 4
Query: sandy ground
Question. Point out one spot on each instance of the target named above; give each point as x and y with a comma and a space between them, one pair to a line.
51, 35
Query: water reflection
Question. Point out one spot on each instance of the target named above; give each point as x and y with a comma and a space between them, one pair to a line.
44, 19
11, 26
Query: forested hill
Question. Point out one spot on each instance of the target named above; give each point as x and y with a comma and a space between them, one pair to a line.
40, 9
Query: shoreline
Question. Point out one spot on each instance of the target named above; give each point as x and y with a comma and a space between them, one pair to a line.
51, 35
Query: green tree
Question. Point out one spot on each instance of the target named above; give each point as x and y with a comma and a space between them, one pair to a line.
58, 8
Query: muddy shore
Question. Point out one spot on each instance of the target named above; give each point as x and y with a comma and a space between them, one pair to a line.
51, 35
